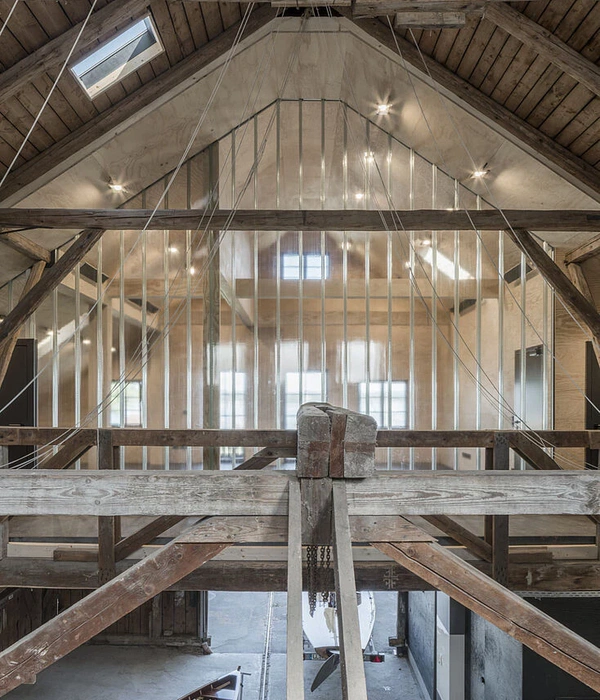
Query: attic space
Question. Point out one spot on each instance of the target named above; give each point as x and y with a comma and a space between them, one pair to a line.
300, 349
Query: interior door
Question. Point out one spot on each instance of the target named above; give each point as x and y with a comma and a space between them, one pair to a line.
531, 415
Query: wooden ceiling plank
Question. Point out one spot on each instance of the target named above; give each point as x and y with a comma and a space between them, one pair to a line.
302, 220
582, 131
22, 119
195, 20
509, 612
475, 49
546, 44
54, 52
49, 120
133, 106
35, 296
230, 13
212, 19
501, 65
558, 158
488, 57
588, 138
25, 246
59, 102
460, 45
182, 28
568, 99
164, 24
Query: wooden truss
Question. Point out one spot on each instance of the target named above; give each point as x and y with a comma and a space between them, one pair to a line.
334, 498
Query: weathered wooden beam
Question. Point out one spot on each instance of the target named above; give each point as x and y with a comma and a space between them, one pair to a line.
577, 276
303, 220
545, 44
25, 246
354, 685
128, 110
501, 607
39, 492
460, 534
266, 456
561, 576
53, 277
107, 526
137, 437
558, 158
8, 344
145, 535
55, 52
70, 451
558, 280
97, 611
294, 634
499, 524
380, 8
583, 252
430, 20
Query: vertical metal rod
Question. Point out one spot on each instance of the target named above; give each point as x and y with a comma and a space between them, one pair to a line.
255, 300
390, 302
412, 276
189, 377
233, 297
122, 378
523, 363
323, 263
367, 201
144, 335
11, 295
55, 363
278, 377
300, 256
99, 337
501, 302
478, 274
547, 348
345, 261
434, 279
166, 336
456, 332
77, 351
549, 360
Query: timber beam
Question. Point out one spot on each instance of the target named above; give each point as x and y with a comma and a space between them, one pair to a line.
223, 575
109, 493
302, 220
495, 603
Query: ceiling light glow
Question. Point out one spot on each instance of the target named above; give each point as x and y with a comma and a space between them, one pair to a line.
359, 195
173, 249
383, 109
480, 173
369, 156
115, 187
192, 270
87, 341
446, 266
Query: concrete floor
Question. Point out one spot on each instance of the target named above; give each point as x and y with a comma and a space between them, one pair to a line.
239, 635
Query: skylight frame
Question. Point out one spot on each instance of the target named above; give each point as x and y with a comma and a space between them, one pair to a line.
103, 53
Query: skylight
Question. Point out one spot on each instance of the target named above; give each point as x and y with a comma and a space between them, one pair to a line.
117, 58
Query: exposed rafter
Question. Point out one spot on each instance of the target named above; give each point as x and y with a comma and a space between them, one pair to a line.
546, 44
307, 220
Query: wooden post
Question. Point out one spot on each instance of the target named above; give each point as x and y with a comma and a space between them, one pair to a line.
500, 524
354, 685
4, 539
294, 651
106, 524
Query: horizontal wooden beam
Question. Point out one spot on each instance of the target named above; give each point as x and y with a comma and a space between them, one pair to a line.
223, 575
286, 439
303, 220
552, 154
431, 20
545, 44
104, 493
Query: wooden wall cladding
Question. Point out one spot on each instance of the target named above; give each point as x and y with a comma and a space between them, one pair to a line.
172, 618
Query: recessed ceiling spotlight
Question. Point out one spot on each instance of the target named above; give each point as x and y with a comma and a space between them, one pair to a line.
481, 172
346, 245
359, 195
173, 249
49, 332
369, 156
407, 265
87, 341
383, 109
426, 242
113, 349
115, 187
192, 270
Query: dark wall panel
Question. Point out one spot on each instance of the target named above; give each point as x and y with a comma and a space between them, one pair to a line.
421, 635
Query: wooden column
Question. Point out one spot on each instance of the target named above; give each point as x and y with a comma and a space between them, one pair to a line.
354, 685
497, 526
107, 527
211, 307
294, 649
4, 539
